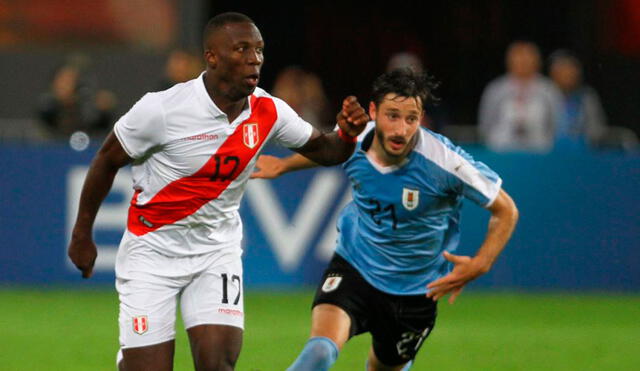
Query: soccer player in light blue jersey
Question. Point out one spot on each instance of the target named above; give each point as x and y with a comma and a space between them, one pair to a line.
394, 257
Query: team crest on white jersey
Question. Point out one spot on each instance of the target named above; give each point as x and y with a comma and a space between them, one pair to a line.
331, 283
140, 324
250, 135
410, 198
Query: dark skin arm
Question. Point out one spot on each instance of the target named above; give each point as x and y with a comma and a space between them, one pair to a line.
329, 149
109, 159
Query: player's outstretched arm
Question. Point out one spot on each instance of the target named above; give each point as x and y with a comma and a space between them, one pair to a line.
110, 158
269, 167
504, 216
336, 147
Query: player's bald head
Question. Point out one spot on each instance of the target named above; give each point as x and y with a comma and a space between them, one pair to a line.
219, 21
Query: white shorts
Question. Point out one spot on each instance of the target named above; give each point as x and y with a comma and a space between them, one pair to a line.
209, 289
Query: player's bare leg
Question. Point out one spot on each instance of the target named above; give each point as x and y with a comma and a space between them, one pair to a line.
329, 331
215, 347
332, 322
374, 364
158, 357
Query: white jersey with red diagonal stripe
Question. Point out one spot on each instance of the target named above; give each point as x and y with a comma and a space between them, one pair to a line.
191, 165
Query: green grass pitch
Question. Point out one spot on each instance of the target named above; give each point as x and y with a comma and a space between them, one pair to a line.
67, 329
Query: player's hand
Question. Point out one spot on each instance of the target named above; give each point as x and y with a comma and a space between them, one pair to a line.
268, 167
352, 119
83, 253
465, 270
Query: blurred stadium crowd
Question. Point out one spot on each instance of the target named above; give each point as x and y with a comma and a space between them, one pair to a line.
541, 102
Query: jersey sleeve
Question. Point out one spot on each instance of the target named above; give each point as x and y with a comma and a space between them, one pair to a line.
363, 142
291, 130
143, 127
473, 179
368, 127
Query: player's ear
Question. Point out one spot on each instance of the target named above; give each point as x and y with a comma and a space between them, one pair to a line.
372, 110
210, 58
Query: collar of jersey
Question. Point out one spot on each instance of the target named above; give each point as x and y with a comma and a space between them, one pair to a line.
366, 144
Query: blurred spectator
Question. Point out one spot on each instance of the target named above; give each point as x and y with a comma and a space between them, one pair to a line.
518, 111
581, 119
181, 66
405, 60
303, 91
435, 116
72, 104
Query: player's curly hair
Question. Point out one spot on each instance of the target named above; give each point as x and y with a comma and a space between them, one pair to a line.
405, 82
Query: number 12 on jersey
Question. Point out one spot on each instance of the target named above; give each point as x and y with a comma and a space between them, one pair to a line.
228, 161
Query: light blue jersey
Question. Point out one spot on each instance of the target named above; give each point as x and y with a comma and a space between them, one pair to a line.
403, 217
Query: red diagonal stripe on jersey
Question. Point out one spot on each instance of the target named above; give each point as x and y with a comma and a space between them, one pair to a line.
185, 196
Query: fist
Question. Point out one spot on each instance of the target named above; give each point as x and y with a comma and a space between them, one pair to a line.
83, 254
352, 118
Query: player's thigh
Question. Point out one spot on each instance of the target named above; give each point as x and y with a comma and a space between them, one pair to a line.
398, 333
341, 306
147, 311
215, 347
158, 357
330, 321
213, 312
215, 296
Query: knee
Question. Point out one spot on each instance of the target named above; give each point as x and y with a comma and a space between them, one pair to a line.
216, 357
215, 348
322, 348
216, 361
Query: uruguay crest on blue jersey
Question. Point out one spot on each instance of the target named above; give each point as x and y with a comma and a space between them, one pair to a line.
403, 217
410, 198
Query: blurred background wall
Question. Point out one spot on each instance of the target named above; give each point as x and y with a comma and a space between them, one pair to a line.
578, 230
580, 226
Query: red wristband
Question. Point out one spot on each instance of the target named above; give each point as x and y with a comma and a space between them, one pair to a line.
346, 137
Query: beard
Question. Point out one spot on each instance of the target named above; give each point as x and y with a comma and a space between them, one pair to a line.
382, 139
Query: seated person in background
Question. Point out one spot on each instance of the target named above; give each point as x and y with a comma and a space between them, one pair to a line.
581, 120
518, 110
71, 104
405, 60
436, 116
303, 91
181, 66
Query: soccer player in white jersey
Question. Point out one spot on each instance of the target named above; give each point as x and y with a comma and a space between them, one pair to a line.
397, 237
192, 149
